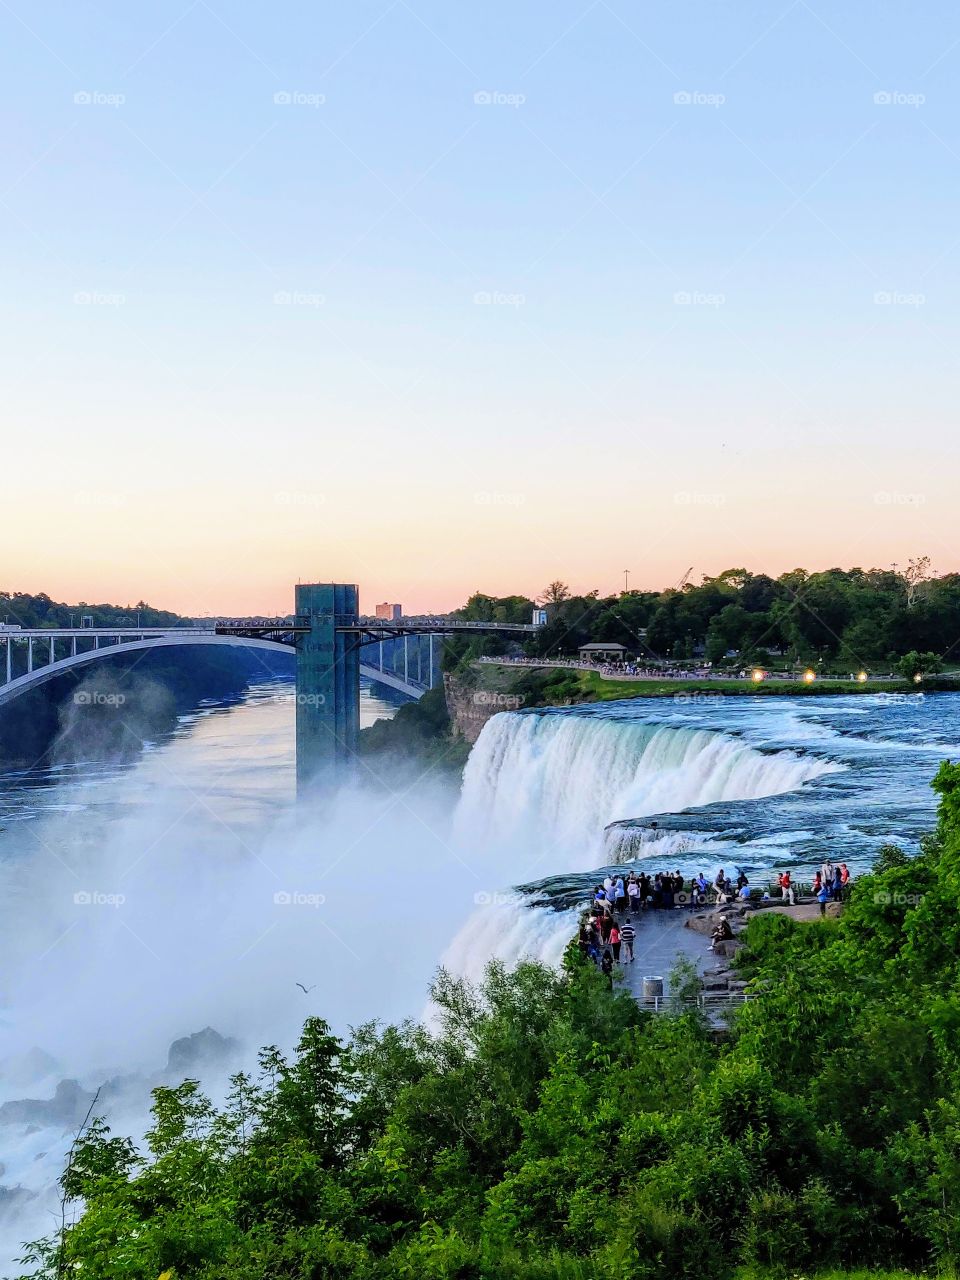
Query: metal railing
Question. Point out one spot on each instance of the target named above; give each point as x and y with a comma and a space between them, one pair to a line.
707, 1001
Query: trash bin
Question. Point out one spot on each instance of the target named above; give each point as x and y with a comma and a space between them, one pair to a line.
652, 987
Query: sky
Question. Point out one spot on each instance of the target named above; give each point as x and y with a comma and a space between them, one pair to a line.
436, 297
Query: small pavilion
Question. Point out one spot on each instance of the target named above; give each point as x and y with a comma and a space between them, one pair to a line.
603, 651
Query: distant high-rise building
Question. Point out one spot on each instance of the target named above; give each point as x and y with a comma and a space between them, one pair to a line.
389, 612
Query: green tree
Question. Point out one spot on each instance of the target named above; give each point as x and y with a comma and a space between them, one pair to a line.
913, 665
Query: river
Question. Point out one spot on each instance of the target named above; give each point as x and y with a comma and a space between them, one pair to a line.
145, 902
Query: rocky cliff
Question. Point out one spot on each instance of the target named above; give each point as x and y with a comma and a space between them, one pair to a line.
470, 708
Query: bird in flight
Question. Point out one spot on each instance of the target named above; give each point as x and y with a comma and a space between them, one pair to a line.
306, 990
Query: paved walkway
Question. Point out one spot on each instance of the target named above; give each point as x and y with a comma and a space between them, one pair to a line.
661, 938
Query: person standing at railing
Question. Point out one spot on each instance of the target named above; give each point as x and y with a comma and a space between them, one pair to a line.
621, 894
837, 883
633, 894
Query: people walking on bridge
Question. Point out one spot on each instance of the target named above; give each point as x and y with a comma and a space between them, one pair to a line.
615, 941
606, 967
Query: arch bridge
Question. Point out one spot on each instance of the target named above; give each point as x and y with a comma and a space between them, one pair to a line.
327, 635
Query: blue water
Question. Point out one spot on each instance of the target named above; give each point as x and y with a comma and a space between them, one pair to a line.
801, 777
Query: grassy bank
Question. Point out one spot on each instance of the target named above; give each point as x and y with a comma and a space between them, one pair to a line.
559, 686
601, 689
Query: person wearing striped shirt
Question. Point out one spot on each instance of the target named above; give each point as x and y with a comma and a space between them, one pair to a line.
627, 935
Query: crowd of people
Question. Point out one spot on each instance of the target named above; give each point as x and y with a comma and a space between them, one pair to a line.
829, 883
607, 931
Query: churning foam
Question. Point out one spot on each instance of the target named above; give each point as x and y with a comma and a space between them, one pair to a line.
552, 782
506, 928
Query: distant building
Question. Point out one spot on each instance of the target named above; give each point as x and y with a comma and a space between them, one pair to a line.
603, 651
389, 612
539, 617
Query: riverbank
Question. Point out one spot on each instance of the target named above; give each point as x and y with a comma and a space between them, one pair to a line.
562, 685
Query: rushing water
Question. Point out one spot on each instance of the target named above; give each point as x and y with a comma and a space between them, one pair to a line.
692, 783
146, 902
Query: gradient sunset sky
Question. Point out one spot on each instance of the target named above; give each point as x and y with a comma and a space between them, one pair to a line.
436, 297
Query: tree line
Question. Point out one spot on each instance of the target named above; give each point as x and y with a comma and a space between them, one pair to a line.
20, 608
854, 618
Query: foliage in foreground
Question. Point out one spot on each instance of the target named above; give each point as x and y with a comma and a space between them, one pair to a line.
548, 1130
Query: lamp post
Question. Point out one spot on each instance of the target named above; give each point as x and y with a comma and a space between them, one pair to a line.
626, 581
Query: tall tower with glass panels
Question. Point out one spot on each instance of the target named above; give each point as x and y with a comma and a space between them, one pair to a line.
328, 682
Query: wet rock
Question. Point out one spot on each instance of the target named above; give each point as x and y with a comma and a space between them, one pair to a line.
706, 924
728, 947
67, 1107
702, 924
204, 1050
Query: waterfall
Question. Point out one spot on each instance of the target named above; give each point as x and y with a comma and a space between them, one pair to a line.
506, 929
547, 784
540, 787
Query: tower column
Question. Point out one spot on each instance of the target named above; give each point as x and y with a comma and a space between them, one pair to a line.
328, 683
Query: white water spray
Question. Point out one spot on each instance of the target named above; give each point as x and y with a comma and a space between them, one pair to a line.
553, 782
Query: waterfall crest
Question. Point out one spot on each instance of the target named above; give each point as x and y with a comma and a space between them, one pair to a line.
552, 782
